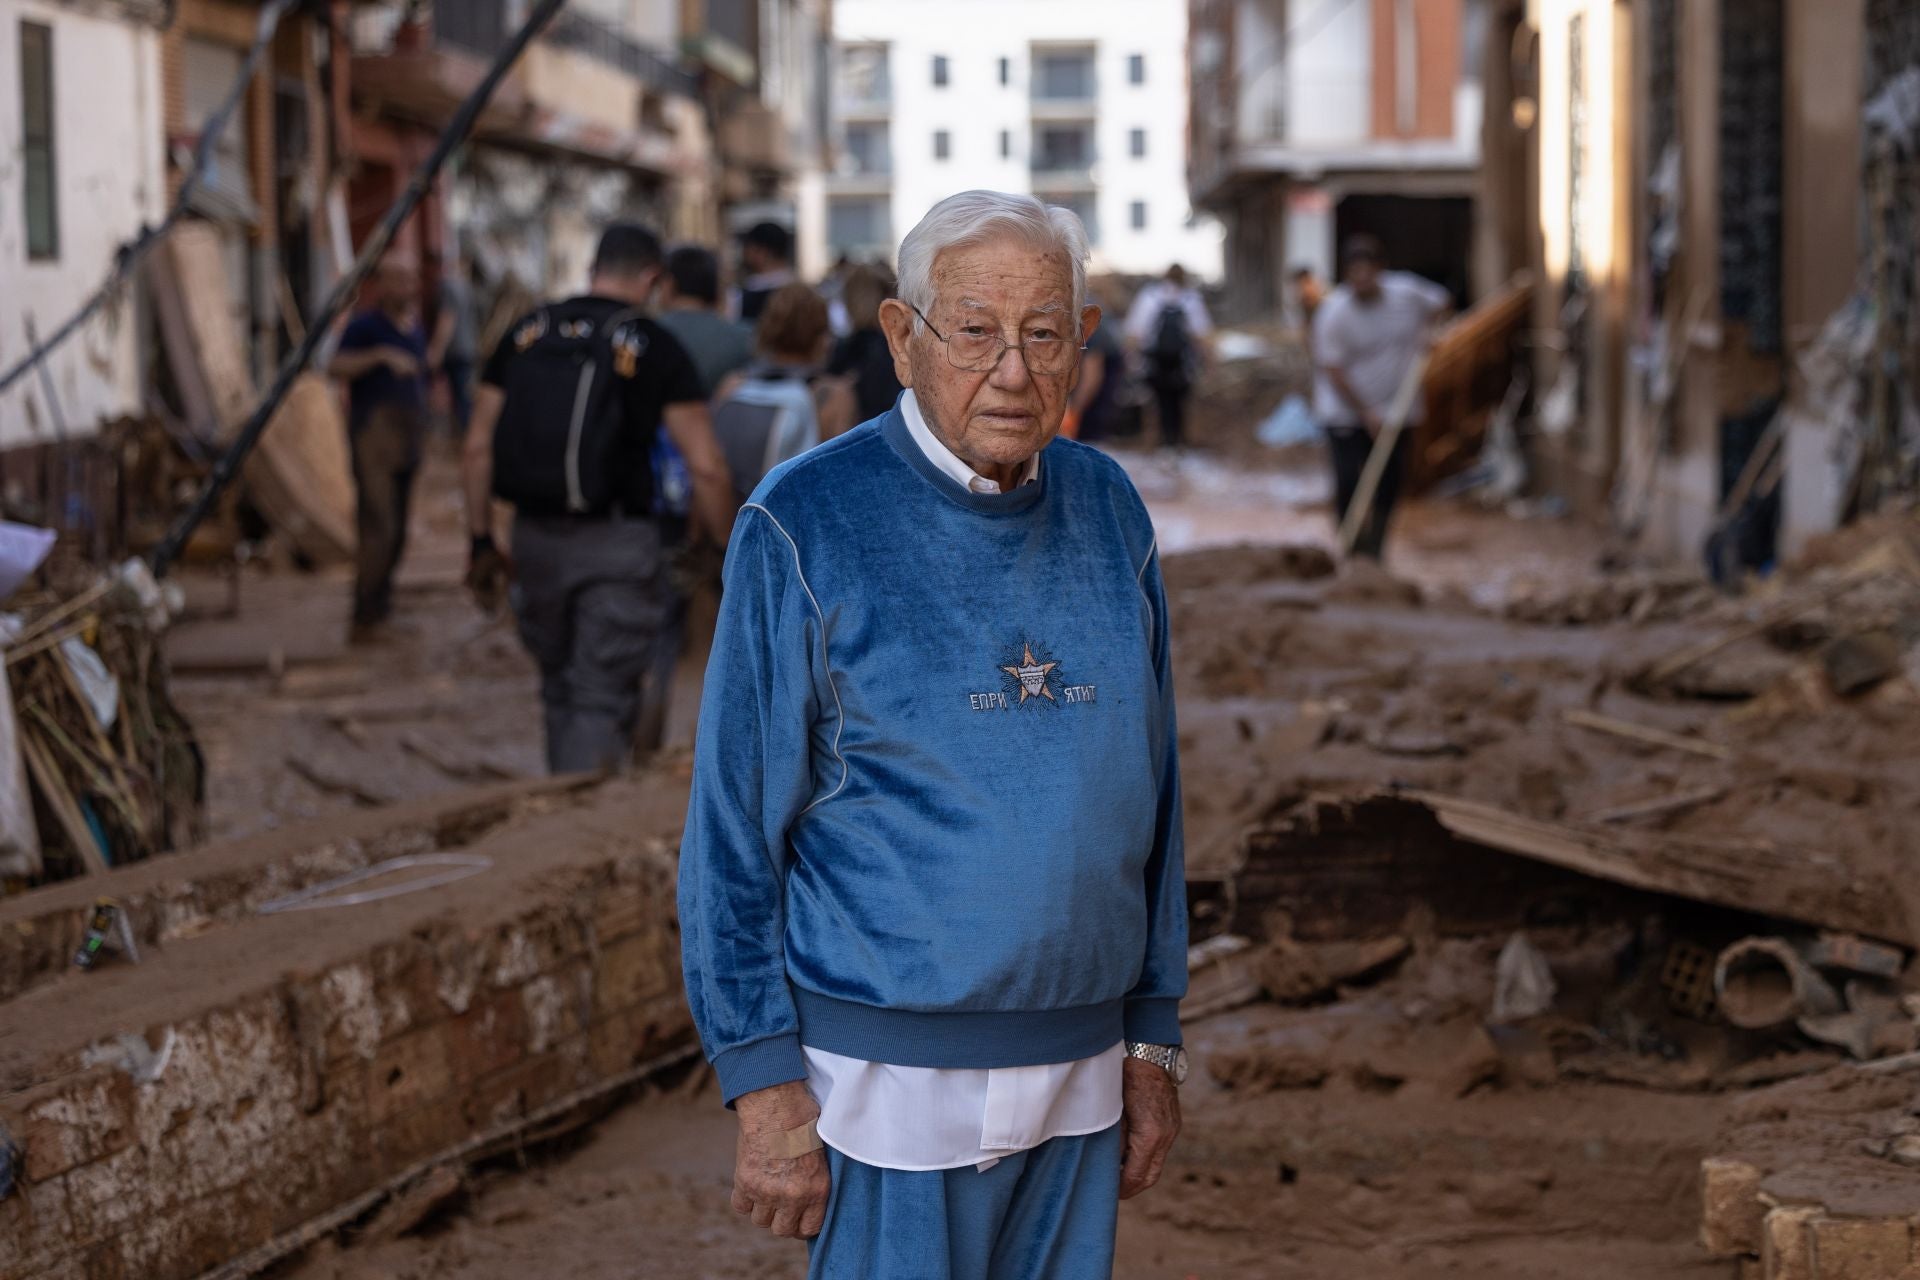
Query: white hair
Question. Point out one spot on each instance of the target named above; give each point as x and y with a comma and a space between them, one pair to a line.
975, 217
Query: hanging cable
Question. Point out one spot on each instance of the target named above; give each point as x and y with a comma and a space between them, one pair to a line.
344, 289
129, 255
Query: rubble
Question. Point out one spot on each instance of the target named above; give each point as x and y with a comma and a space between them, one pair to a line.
113, 772
316, 1062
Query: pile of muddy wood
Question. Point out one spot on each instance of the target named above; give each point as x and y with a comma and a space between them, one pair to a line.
98, 768
1382, 910
1685, 865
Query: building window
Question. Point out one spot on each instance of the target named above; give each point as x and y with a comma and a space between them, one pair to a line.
1006, 144
1082, 204
36, 141
1063, 149
865, 153
860, 226
1137, 143
942, 145
1138, 215
862, 76
1063, 76
1137, 68
1006, 71
939, 70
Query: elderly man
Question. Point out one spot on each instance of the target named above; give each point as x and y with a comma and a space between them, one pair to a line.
931, 888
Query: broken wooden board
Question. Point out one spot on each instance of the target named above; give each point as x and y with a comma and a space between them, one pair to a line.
1219, 976
188, 281
1760, 877
300, 476
1361, 868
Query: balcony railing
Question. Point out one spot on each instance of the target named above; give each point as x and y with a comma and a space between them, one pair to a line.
480, 27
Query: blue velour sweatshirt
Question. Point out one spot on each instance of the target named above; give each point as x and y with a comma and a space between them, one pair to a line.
936, 804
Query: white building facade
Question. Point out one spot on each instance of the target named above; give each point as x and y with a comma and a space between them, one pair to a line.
1080, 102
81, 134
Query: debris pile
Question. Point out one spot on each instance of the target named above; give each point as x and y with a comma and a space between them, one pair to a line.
98, 768
1672, 829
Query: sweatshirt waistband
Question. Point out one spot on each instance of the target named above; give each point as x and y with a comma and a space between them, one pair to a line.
905, 1038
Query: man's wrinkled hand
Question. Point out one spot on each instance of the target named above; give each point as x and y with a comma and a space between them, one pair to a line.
1150, 1110
788, 1196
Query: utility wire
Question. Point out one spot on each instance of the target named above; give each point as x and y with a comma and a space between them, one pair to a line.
344, 289
129, 255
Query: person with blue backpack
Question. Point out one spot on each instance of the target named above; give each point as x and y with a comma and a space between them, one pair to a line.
780, 405
1168, 330
563, 429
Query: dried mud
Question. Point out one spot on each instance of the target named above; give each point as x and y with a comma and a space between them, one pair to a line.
1377, 1132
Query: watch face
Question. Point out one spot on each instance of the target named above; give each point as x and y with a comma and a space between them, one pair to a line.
1179, 1065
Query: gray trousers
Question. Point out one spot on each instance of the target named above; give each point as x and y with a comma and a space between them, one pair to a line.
592, 598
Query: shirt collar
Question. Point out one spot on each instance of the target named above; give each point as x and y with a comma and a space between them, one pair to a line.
947, 460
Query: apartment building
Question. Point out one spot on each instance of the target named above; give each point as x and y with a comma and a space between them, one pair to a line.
1316, 119
1081, 102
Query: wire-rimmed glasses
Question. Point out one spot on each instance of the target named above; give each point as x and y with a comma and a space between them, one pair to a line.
974, 348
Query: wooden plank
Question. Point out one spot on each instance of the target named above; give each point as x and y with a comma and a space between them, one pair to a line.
1759, 877
199, 273
301, 475
59, 798
1641, 733
1658, 805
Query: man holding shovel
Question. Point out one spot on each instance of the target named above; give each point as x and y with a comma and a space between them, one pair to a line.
1369, 342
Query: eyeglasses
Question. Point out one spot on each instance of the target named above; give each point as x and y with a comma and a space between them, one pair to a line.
974, 348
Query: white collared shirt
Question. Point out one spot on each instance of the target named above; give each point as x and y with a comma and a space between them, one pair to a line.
922, 1118
950, 462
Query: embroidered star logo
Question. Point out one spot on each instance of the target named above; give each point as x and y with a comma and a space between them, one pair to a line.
1032, 676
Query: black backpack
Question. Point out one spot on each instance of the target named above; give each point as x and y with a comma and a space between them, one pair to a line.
1172, 344
563, 445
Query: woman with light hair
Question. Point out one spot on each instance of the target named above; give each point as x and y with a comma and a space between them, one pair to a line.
932, 906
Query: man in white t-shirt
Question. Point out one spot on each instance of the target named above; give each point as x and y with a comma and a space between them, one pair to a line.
1366, 336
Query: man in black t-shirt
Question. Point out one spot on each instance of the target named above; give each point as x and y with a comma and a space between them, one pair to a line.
590, 590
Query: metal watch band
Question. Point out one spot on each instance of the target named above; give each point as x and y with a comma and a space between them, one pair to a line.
1160, 1055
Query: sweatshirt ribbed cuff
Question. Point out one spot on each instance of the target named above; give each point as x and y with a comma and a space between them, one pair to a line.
1153, 1020
760, 1065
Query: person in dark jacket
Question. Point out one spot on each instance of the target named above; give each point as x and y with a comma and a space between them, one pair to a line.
863, 355
382, 357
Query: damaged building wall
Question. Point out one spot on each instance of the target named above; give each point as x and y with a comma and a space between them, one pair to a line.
1700, 168
104, 141
1823, 256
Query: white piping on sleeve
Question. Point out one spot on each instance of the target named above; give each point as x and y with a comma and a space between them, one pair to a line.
1139, 581
826, 661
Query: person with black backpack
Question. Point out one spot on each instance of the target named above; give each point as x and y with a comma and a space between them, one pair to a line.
563, 429
1168, 329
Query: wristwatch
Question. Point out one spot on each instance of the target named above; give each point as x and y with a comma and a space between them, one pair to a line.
1170, 1058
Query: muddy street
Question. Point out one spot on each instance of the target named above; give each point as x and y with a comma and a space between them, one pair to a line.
1365, 1124
1468, 835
